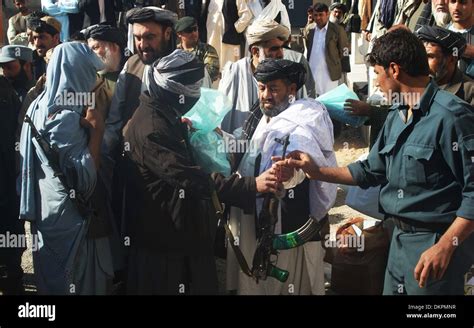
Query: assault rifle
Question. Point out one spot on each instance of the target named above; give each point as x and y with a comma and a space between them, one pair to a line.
52, 155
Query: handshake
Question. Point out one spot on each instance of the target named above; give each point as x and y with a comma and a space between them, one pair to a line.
283, 170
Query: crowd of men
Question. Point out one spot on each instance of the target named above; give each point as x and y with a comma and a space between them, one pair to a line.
96, 153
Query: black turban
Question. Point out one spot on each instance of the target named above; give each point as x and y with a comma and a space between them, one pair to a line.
144, 14
448, 40
106, 33
275, 69
32, 19
338, 5
46, 24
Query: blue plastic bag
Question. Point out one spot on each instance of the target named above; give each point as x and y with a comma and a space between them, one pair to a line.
334, 101
207, 145
470, 69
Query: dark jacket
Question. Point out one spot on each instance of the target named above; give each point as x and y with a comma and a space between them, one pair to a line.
336, 47
168, 197
9, 108
90, 8
462, 86
231, 15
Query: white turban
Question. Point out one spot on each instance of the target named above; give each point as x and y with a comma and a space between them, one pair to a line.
264, 30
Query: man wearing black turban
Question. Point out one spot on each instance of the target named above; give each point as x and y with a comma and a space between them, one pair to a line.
292, 75
152, 35
171, 222
444, 49
308, 125
152, 30
109, 44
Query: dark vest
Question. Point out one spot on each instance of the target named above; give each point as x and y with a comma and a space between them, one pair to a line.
231, 15
295, 207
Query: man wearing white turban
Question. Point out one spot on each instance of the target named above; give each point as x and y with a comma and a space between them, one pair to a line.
266, 39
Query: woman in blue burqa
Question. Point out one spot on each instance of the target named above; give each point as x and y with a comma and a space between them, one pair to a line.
66, 260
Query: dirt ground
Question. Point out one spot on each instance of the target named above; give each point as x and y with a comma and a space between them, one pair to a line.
349, 146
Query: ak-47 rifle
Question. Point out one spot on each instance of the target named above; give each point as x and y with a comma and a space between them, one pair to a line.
262, 265
268, 243
52, 155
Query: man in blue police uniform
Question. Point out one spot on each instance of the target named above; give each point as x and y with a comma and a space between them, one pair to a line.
423, 160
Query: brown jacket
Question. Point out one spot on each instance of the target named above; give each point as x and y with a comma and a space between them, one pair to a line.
462, 86
133, 85
336, 47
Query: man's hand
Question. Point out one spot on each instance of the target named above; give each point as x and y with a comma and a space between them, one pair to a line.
357, 107
93, 120
268, 182
434, 261
367, 35
96, 125
189, 124
469, 51
283, 173
219, 131
299, 160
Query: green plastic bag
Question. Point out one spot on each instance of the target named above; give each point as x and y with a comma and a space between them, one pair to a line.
210, 110
206, 115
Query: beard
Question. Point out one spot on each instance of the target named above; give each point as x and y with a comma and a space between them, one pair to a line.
111, 62
442, 19
163, 50
277, 108
441, 71
334, 20
20, 80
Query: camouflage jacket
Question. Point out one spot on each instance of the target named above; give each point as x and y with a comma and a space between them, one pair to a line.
208, 55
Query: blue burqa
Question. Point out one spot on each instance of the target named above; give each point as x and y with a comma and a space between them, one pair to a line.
65, 261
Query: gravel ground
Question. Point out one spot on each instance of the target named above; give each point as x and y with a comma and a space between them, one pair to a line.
348, 147
27, 264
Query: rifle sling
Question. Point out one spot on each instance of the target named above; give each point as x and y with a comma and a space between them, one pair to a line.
219, 213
